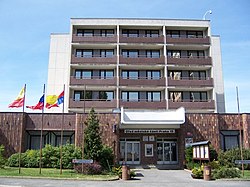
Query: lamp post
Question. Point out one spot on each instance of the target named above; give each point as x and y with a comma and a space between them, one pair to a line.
209, 11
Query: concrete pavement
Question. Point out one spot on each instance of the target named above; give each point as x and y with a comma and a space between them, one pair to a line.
144, 178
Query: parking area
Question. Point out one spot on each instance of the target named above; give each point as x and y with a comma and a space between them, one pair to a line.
144, 178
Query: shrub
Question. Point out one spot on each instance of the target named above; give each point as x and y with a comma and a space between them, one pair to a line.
228, 158
117, 170
89, 169
106, 157
214, 164
132, 174
31, 158
69, 152
2, 159
197, 172
50, 156
13, 160
189, 154
225, 172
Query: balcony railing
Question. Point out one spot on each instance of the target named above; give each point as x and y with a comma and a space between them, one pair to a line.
94, 80
142, 59
191, 82
95, 38
184, 60
96, 103
95, 59
189, 104
142, 81
183, 39
143, 104
141, 39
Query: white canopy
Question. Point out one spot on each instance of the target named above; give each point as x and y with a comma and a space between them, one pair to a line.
152, 118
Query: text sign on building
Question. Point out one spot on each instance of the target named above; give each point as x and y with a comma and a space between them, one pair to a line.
201, 150
82, 161
149, 131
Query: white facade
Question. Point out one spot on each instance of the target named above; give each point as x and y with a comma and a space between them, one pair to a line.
61, 49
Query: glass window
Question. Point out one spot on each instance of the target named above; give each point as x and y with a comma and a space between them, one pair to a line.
195, 96
87, 53
153, 53
153, 74
78, 74
173, 34
175, 96
78, 53
107, 32
125, 53
106, 74
201, 54
176, 75
125, 74
153, 96
152, 33
133, 74
191, 34
124, 96
133, 54
186, 96
110, 95
133, 96
77, 95
109, 53
86, 74
199, 34
88, 95
176, 54
204, 96
203, 75
79, 32
88, 32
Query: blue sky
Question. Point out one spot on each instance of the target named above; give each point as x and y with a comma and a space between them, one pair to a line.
26, 26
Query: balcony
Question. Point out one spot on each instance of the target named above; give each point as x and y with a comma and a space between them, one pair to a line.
93, 81
98, 104
210, 104
142, 81
142, 104
94, 39
189, 60
141, 60
93, 60
141, 39
187, 81
185, 40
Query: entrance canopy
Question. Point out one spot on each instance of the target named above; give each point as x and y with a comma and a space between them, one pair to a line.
154, 119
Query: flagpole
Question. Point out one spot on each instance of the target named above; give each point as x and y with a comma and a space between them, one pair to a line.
62, 132
41, 136
21, 132
241, 152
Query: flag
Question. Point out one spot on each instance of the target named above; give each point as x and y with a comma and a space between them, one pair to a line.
19, 101
54, 100
39, 105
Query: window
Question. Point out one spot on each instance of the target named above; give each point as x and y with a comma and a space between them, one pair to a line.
78, 74
130, 74
87, 53
175, 96
175, 75
198, 96
106, 74
174, 54
107, 32
153, 74
87, 74
153, 96
77, 96
109, 53
149, 150
153, 54
152, 33
194, 34
173, 34
130, 33
78, 53
88, 32
79, 32
230, 139
130, 53
106, 95
197, 75
130, 96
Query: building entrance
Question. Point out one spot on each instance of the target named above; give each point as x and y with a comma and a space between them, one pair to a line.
130, 152
167, 152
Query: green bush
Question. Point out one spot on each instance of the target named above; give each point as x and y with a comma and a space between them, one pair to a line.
2, 159
228, 158
117, 170
189, 154
225, 172
197, 172
50, 157
106, 157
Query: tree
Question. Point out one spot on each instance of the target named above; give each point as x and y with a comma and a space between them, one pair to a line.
92, 140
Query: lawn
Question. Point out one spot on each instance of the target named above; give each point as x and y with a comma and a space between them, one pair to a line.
246, 174
52, 173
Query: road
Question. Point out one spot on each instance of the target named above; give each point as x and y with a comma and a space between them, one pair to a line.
144, 178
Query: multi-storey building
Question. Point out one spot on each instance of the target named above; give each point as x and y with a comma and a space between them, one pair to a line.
137, 64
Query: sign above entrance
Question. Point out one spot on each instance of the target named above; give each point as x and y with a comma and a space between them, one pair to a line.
149, 131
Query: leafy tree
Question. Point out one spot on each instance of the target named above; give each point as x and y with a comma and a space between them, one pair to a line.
92, 137
2, 159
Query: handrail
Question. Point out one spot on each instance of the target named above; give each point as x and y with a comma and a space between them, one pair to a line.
203, 57
141, 56
93, 77
188, 37
191, 78
95, 35
94, 56
191, 100
141, 36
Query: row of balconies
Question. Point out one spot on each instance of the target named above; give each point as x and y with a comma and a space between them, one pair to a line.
142, 60
140, 39
142, 104
142, 82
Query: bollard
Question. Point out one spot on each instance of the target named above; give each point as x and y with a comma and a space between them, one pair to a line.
124, 172
207, 173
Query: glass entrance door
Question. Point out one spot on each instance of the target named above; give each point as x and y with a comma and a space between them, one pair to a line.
132, 153
167, 152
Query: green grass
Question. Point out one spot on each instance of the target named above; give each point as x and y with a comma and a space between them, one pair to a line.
246, 174
51, 173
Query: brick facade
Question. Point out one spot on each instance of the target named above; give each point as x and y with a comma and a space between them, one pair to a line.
200, 127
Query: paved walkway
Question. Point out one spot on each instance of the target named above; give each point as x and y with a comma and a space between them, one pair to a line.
144, 178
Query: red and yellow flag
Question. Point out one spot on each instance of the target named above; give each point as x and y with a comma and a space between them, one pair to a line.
19, 101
